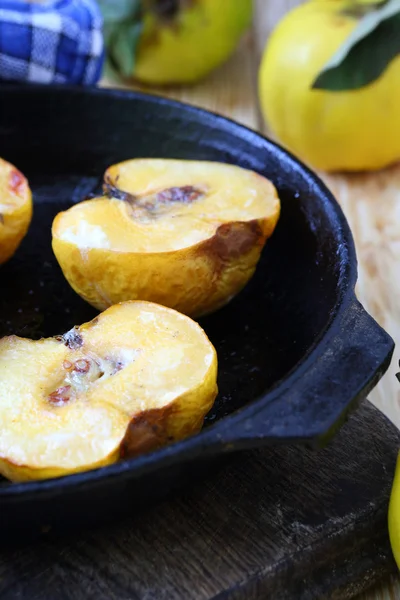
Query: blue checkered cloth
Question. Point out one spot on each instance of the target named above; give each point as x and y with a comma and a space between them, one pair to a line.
60, 41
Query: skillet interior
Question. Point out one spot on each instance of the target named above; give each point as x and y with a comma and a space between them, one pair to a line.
63, 143
63, 139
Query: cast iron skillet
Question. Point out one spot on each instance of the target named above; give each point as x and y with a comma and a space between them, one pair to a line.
296, 350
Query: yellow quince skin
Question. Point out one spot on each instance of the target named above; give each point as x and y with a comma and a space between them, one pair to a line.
15, 209
186, 45
353, 130
135, 378
184, 234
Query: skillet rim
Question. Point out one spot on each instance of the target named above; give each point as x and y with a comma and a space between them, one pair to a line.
179, 451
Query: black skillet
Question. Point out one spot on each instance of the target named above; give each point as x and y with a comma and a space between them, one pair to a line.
296, 350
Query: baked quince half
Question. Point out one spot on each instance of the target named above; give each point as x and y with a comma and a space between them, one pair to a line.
15, 209
133, 379
184, 234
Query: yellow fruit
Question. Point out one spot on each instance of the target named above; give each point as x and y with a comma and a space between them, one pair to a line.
355, 3
346, 130
394, 515
185, 234
15, 209
135, 378
191, 41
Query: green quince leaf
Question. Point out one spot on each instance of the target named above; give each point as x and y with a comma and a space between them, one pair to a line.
122, 29
367, 52
115, 11
124, 45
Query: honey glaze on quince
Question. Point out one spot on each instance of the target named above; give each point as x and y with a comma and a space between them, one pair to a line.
164, 205
136, 376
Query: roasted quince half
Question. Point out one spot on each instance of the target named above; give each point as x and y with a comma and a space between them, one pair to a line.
133, 379
15, 209
184, 234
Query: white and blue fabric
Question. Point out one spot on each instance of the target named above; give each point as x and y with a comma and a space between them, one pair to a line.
58, 41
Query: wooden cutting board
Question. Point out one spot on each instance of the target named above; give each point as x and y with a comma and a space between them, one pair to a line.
371, 202
282, 523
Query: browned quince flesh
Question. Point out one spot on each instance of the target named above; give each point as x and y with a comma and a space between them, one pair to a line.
136, 377
15, 209
185, 234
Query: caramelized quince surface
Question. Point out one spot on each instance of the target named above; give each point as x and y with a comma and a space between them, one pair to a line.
136, 377
185, 234
15, 209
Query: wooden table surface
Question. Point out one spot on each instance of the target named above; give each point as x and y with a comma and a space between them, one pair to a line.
371, 203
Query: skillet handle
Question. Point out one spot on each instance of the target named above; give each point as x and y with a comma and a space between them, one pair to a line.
353, 359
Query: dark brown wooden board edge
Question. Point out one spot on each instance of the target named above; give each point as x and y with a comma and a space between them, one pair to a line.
274, 523
362, 556
358, 564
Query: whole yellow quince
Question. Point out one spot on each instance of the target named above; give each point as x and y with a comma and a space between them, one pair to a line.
394, 515
343, 130
190, 39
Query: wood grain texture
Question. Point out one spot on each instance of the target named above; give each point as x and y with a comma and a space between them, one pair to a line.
271, 524
371, 203
227, 90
